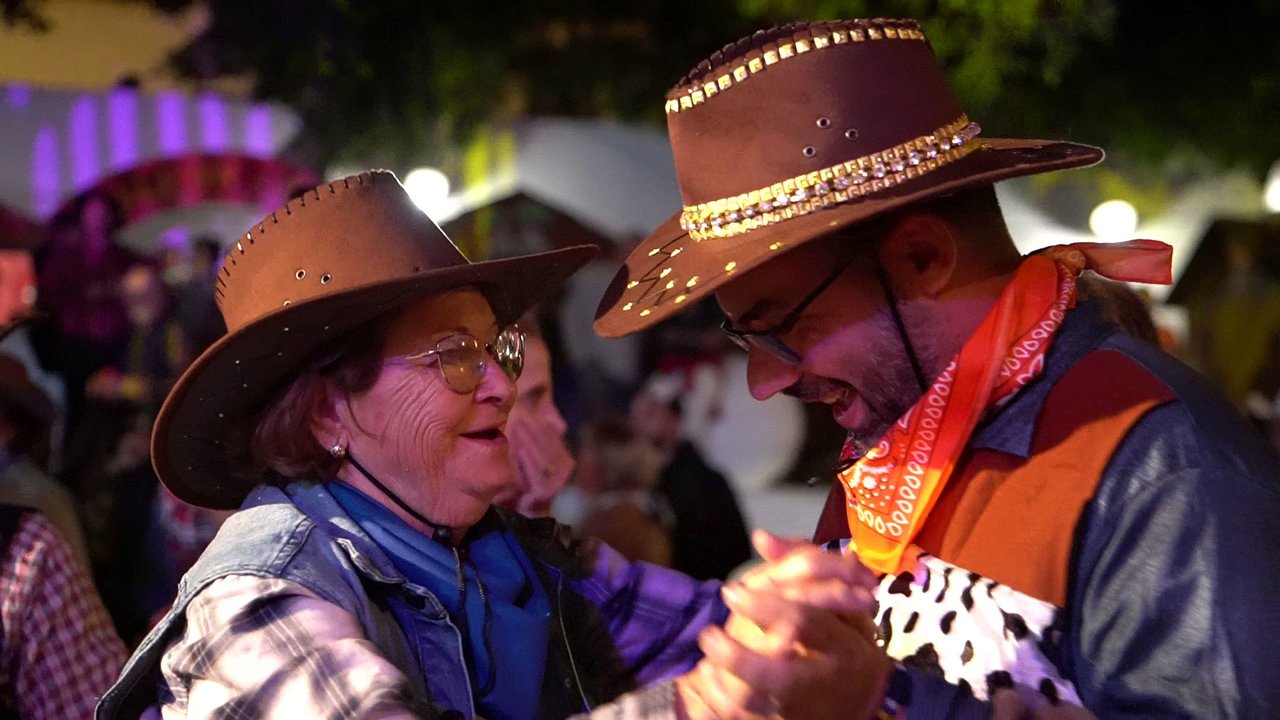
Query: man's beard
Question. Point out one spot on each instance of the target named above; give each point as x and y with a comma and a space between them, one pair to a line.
887, 384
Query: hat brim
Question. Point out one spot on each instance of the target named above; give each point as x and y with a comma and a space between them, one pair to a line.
237, 374
671, 271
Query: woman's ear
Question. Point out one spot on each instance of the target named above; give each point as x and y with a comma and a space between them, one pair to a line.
325, 417
920, 254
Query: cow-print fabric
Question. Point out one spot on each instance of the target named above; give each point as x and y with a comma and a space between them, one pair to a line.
975, 632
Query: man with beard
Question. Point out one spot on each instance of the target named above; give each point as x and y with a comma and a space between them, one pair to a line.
1066, 520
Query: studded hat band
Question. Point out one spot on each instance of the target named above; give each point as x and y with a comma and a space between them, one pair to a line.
830, 186
816, 37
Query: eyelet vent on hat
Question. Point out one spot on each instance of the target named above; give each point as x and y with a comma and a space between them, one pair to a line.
824, 122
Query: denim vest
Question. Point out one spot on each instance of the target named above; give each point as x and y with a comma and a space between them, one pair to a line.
301, 535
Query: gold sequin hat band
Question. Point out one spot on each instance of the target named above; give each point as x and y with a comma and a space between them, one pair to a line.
329, 262
791, 133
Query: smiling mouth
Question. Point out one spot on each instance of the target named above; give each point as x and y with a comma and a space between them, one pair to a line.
489, 435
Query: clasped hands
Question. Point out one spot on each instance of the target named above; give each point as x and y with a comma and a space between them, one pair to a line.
800, 641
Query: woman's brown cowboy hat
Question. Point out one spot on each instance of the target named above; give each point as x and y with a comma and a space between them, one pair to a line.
331, 260
791, 133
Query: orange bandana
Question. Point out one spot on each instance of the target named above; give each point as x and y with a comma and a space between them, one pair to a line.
892, 487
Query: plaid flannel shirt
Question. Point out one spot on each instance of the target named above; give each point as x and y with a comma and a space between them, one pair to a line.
59, 651
266, 648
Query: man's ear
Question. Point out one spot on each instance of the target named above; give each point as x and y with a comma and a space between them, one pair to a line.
920, 253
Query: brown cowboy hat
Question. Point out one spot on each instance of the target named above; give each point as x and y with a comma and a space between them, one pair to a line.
330, 261
791, 133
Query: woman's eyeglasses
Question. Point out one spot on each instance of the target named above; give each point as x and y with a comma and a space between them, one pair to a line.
462, 359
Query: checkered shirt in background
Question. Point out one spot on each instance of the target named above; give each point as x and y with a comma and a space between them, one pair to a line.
59, 651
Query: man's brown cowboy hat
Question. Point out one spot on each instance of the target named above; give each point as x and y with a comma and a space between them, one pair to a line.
330, 261
791, 133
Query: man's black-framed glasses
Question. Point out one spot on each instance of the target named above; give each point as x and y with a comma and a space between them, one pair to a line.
769, 340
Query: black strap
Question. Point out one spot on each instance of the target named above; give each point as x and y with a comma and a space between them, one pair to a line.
440, 533
902, 328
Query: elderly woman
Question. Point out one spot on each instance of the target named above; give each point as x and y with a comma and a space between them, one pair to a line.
355, 411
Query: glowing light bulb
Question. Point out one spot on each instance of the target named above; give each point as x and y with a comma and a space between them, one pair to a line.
1113, 220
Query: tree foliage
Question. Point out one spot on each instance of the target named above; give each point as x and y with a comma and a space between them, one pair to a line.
1170, 86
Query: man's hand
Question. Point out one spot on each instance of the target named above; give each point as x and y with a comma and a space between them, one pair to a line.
799, 644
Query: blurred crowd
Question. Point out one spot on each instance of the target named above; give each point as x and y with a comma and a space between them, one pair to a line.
600, 436
85, 368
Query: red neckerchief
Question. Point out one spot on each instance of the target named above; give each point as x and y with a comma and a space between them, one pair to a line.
893, 486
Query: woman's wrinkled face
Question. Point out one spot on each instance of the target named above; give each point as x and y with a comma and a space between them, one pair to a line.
442, 452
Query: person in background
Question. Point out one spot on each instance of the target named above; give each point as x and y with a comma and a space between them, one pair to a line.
155, 350
355, 413
1055, 507
108, 460
79, 275
708, 535
1121, 305
536, 432
197, 312
26, 420
617, 474
58, 650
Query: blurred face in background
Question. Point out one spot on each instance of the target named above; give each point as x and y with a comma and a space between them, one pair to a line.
655, 420
536, 431
97, 221
142, 291
536, 402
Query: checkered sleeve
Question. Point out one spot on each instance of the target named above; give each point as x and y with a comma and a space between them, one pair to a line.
267, 648
652, 702
60, 651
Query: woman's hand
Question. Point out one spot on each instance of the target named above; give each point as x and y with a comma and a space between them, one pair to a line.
800, 642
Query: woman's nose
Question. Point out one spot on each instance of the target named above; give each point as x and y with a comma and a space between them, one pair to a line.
496, 386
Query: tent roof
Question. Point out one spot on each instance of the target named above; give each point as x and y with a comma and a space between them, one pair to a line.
617, 179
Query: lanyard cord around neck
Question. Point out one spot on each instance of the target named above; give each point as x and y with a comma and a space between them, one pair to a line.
902, 328
444, 534
440, 533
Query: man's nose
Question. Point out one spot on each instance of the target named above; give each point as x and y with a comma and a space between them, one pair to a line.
767, 375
